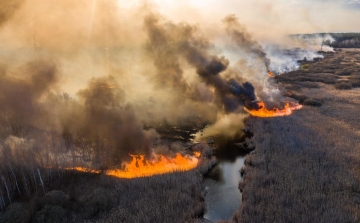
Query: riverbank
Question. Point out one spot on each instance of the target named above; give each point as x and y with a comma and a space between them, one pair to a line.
305, 167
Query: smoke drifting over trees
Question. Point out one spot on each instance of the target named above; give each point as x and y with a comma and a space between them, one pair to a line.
187, 44
182, 76
182, 69
105, 119
20, 97
77, 89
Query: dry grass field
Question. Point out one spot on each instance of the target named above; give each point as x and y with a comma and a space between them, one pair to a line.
72, 196
306, 166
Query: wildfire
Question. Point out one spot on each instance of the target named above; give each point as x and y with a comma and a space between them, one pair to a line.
263, 112
83, 169
271, 74
139, 167
108, 86
142, 168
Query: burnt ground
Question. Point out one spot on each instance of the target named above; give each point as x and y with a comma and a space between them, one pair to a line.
306, 166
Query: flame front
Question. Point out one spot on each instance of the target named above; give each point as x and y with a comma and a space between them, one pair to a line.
197, 154
271, 74
139, 167
83, 169
263, 112
142, 168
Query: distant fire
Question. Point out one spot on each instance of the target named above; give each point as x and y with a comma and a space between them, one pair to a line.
197, 154
139, 167
83, 169
264, 112
271, 74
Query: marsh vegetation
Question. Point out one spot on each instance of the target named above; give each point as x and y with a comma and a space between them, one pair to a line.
305, 167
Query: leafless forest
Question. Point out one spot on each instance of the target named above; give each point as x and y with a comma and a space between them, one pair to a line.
71, 196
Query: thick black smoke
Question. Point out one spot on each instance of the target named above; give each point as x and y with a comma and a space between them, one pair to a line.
98, 128
163, 49
243, 39
175, 41
111, 127
20, 96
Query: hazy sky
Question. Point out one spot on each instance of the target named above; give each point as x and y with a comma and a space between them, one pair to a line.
67, 24
286, 16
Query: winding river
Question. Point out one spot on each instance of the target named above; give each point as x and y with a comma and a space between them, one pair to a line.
223, 197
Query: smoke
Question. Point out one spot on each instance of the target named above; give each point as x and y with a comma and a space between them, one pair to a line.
187, 44
20, 97
8, 9
107, 120
315, 41
82, 83
98, 125
284, 60
121, 69
244, 40
227, 127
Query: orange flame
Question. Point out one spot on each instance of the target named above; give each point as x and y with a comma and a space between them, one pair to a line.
263, 112
142, 168
139, 167
83, 169
197, 154
270, 73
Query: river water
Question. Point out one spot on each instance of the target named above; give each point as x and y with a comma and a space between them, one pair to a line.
223, 197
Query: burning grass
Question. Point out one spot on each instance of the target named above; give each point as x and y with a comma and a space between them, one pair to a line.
139, 167
91, 195
264, 112
142, 168
305, 166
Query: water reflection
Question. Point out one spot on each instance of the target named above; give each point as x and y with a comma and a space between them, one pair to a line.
223, 197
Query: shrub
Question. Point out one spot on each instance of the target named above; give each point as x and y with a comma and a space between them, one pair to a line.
312, 102
55, 197
299, 97
308, 84
99, 200
50, 214
295, 87
329, 71
355, 74
343, 73
305, 67
355, 82
16, 213
343, 85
